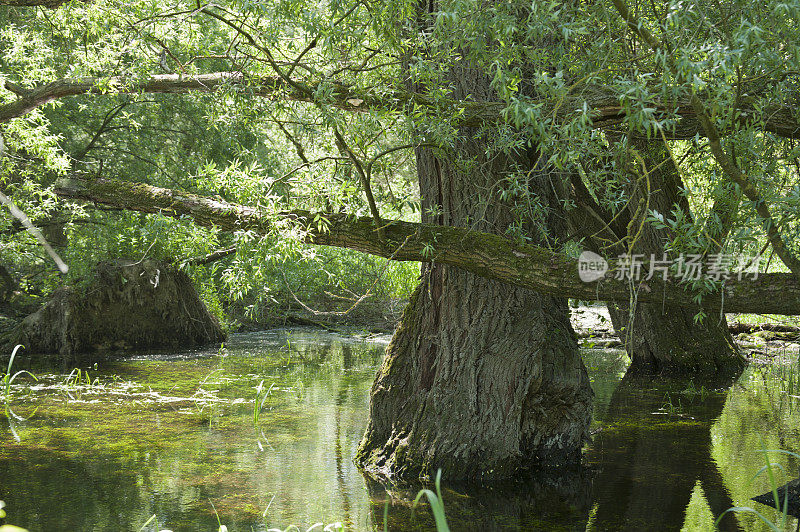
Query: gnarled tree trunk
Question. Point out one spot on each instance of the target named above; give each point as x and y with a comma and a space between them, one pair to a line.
481, 379
128, 305
666, 339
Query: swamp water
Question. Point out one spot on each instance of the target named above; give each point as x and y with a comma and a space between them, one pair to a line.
173, 435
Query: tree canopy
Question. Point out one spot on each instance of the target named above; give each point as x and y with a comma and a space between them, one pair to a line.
317, 106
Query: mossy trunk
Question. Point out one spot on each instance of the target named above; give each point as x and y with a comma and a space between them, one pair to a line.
482, 379
661, 338
484, 254
667, 340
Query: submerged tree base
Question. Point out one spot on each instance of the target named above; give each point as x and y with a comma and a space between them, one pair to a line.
127, 305
465, 389
666, 340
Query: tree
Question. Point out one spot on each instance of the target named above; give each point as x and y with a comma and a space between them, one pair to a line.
521, 116
471, 352
659, 338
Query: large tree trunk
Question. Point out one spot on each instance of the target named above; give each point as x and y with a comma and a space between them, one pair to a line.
666, 339
659, 337
481, 379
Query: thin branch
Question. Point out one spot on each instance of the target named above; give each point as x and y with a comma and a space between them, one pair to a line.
360, 299
265, 86
364, 176
104, 127
52, 4
607, 112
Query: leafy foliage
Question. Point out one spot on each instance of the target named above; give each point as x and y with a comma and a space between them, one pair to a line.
556, 69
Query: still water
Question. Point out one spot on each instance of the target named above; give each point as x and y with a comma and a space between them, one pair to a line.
173, 435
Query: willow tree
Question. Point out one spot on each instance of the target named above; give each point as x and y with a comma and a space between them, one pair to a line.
659, 338
522, 116
471, 353
708, 194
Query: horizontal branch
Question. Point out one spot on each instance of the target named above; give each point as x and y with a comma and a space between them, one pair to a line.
30, 99
606, 110
486, 255
211, 257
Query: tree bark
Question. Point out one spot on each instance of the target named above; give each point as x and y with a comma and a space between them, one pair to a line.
481, 380
662, 338
484, 254
666, 340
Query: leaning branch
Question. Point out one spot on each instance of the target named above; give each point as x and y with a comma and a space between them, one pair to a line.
271, 87
486, 255
52, 4
211, 257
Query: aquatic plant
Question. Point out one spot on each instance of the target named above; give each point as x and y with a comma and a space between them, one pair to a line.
8, 378
77, 377
437, 505
435, 500
692, 390
670, 408
783, 507
222, 528
152, 518
261, 396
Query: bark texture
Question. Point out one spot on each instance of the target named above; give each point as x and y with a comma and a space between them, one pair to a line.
481, 379
659, 337
666, 338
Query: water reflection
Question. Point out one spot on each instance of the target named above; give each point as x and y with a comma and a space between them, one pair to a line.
173, 433
653, 449
539, 502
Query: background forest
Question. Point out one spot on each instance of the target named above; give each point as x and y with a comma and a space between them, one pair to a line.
235, 144
275, 155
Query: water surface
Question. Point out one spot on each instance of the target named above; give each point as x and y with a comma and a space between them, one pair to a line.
173, 435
